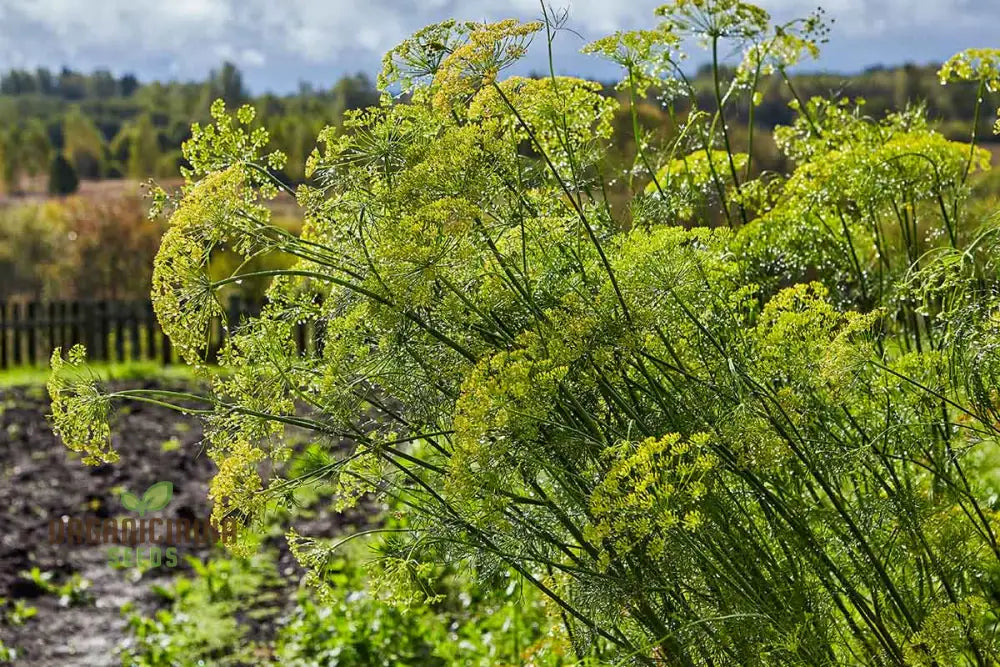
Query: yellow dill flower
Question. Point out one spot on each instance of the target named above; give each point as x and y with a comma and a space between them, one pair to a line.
236, 486
707, 19
80, 408
973, 65
648, 56
650, 488
564, 114
212, 211
490, 48
416, 60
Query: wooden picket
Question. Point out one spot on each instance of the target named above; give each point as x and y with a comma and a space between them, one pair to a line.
113, 331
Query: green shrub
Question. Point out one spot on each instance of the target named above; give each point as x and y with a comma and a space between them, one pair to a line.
201, 625
752, 443
78, 247
62, 177
349, 624
209, 616
32, 240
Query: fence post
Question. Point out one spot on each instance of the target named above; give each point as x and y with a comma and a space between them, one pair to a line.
117, 312
34, 325
52, 327
66, 316
61, 310
149, 318
104, 328
133, 322
165, 352
75, 324
15, 317
90, 336
4, 362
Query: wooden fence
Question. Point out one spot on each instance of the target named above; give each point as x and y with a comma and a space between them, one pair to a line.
114, 331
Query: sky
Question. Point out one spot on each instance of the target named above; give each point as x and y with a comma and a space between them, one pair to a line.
279, 43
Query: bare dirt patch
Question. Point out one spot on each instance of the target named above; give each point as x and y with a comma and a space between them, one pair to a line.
41, 480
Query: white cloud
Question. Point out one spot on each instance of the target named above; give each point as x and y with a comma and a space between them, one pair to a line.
252, 57
872, 18
191, 36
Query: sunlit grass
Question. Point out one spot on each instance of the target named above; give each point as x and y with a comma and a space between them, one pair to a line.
120, 371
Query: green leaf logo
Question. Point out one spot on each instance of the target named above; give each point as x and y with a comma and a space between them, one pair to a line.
155, 498
130, 501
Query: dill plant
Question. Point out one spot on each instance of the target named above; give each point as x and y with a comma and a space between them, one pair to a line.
767, 441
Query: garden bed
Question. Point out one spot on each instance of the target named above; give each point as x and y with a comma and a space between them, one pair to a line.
75, 593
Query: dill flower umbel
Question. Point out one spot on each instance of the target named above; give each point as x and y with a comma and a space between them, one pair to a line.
183, 296
650, 489
477, 62
973, 65
80, 407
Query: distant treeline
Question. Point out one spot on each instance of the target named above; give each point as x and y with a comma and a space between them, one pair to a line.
111, 127
884, 89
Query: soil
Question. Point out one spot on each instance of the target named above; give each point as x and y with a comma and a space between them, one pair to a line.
41, 480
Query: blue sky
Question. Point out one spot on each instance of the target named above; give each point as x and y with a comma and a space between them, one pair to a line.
278, 43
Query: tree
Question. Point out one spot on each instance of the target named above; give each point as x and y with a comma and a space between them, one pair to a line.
102, 85
9, 162
34, 245
137, 144
128, 85
353, 92
72, 85
62, 177
83, 144
36, 149
227, 83
17, 82
46, 82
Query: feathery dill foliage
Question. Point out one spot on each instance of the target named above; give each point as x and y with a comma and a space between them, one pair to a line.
769, 442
